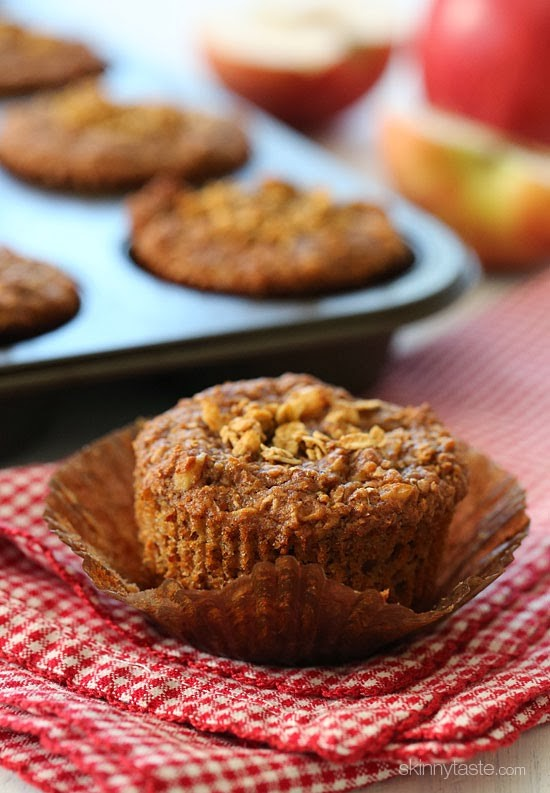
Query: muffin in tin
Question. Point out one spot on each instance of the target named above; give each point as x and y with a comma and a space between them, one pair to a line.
266, 240
31, 60
78, 139
35, 297
254, 470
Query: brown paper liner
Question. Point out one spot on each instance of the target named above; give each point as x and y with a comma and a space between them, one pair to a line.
286, 612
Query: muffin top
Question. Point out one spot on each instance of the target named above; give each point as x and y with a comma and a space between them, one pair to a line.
272, 239
77, 138
34, 296
30, 60
263, 432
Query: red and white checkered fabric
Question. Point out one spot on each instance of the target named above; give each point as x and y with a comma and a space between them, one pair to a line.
93, 698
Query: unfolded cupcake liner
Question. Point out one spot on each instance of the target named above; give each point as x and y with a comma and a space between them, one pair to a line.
284, 612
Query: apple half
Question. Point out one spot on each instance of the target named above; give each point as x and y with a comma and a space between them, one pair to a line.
301, 61
494, 193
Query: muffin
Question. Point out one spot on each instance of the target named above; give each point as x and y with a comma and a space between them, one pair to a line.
255, 470
34, 297
274, 239
76, 139
30, 60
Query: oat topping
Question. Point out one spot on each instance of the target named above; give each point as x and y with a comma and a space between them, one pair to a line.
344, 417
277, 433
375, 437
24, 40
211, 414
244, 435
83, 107
273, 215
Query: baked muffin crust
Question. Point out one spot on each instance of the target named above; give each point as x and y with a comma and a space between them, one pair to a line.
77, 139
275, 239
34, 297
30, 60
252, 470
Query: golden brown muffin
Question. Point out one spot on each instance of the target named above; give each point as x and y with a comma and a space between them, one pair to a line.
34, 297
258, 469
30, 60
272, 240
76, 139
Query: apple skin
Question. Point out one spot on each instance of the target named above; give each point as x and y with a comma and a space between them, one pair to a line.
303, 99
490, 60
494, 194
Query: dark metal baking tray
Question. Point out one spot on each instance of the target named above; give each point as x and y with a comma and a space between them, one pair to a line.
131, 322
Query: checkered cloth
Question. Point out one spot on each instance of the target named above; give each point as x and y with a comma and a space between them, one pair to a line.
93, 698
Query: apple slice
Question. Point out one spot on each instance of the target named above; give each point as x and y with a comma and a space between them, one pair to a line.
494, 193
301, 61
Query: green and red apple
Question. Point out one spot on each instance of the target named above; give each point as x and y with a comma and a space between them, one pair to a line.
495, 193
301, 60
481, 161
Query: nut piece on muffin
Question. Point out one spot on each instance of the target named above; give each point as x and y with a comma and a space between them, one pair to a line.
252, 470
76, 139
274, 239
30, 60
35, 297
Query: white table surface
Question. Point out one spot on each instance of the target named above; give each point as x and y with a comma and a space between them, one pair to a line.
163, 32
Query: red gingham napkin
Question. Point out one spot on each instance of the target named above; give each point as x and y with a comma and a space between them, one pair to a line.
93, 698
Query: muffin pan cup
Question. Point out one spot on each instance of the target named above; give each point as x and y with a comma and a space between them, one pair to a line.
132, 323
285, 612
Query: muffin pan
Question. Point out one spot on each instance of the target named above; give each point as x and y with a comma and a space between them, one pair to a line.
131, 322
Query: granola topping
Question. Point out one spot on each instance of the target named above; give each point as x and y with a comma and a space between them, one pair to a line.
273, 215
84, 107
26, 41
277, 433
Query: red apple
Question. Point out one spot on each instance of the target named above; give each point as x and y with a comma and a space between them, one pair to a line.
490, 60
301, 61
494, 193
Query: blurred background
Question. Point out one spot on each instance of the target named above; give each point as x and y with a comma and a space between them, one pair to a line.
380, 86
